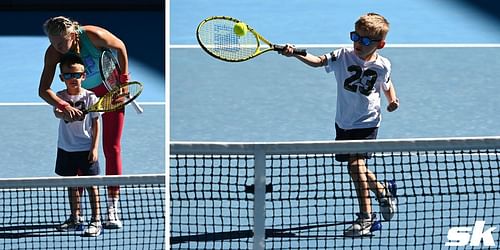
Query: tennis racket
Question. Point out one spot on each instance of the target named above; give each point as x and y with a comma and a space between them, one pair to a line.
117, 98
110, 73
216, 36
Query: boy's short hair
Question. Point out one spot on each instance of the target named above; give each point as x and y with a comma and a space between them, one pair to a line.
70, 59
374, 24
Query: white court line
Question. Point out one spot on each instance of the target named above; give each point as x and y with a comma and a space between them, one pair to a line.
45, 104
409, 45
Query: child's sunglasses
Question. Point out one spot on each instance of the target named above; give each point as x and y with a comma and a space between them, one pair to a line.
366, 41
68, 76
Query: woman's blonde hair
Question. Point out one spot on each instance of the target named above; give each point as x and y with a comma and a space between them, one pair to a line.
63, 26
59, 25
374, 24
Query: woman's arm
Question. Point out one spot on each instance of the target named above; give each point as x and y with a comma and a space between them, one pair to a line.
102, 38
46, 93
49, 69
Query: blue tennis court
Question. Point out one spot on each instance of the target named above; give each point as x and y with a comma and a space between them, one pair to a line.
443, 58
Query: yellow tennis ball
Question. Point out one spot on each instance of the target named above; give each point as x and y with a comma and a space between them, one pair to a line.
240, 29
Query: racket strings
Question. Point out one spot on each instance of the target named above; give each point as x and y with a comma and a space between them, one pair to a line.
109, 70
119, 97
218, 38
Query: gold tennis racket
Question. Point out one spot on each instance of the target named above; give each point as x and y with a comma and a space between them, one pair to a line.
117, 98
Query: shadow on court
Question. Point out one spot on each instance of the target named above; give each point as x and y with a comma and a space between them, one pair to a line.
491, 8
293, 232
25, 231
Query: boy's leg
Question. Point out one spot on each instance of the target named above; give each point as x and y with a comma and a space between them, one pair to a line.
73, 222
385, 193
74, 201
363, 179
94, 227
367, 181
375, 186
92, 169
357, 171
94, 202
66, 165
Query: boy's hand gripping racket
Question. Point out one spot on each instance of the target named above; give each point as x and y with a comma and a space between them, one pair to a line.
110, 73
217, 36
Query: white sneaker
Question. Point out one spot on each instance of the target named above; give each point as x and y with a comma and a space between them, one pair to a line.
113, 222
93, 230
389, 200
362, 225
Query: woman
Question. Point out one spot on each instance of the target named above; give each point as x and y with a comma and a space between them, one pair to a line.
67, 36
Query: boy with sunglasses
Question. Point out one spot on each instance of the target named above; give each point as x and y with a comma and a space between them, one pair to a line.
77, 152
361, 75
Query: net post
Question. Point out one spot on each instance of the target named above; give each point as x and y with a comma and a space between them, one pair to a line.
259, 209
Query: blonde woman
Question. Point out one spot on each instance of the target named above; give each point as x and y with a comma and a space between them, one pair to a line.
87, 41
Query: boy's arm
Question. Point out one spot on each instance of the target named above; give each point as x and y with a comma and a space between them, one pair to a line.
93, 156
309, 59
392, 99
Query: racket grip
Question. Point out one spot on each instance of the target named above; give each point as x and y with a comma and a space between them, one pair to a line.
296, 51
137, 108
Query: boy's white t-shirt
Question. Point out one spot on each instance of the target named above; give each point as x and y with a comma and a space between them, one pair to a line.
359, 84
77, 136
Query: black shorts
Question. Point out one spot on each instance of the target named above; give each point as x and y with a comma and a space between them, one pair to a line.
354, 134
75, 163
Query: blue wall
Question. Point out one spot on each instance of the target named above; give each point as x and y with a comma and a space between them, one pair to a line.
143, 31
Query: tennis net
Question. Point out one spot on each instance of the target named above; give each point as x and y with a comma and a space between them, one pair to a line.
297, 196
32, 209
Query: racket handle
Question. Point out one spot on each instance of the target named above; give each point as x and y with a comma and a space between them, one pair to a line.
137, 108
296, 51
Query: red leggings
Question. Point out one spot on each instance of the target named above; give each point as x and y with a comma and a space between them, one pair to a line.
112, 127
